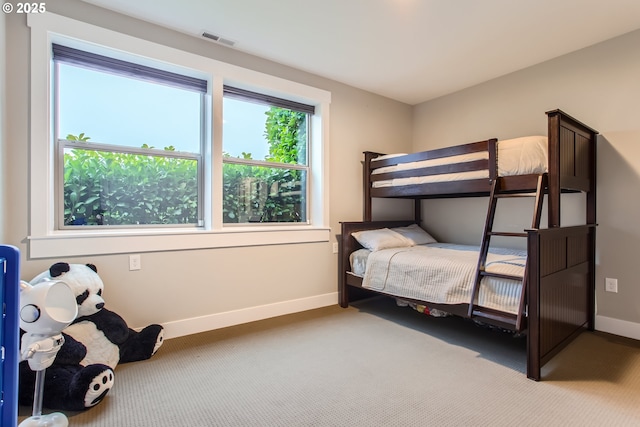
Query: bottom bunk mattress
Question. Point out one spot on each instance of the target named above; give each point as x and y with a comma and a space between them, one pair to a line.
442, 273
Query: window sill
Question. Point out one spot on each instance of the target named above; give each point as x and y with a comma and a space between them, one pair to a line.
69, 244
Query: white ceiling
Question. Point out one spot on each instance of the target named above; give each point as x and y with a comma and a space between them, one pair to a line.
408, 50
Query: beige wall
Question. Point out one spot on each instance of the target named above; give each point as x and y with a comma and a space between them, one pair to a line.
600, 86
181, 285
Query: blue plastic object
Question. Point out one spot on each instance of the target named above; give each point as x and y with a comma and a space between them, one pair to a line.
9, 334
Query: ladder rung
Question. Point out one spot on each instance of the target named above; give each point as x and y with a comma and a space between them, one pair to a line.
508, 195
500, 317
500, 275
506, 234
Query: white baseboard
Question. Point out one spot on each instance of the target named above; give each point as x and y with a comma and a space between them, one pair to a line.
618, 327
236, 317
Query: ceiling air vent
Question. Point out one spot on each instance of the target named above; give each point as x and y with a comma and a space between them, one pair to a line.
218, 39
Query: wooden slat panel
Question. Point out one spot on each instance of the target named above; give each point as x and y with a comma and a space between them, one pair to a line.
564, 306
560, 303
474, 187
567, 152
553, 255
582, 158
438, 153
577, 250
575, 159
434, 170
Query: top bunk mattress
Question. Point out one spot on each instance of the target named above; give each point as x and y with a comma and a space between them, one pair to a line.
517, 156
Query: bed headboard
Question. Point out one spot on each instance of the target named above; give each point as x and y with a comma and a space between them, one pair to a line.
572, 163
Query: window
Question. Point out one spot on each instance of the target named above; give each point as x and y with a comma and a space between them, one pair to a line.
265, 158
129, 142
125, 138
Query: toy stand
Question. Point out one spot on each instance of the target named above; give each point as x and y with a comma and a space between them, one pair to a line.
56, 419
45, 310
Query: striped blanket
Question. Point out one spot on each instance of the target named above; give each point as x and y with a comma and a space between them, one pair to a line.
445, 273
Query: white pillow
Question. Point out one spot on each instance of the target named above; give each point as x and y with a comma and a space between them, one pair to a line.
382, 238
416, 234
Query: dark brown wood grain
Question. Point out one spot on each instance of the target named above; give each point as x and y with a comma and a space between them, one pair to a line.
558, 301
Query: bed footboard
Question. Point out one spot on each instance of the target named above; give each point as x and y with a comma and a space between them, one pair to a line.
560, 285
561, 290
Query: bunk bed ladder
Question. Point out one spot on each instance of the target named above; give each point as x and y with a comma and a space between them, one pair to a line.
497, 192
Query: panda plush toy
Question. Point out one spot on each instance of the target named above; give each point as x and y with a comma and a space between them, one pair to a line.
96, 341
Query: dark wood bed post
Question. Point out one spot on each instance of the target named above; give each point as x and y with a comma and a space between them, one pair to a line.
533, 303
492, 145
591, 219
572, 151
593, 173
366, 190
553, 201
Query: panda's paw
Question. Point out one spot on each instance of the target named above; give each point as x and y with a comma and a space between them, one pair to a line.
99, 386
159, 341
149, 341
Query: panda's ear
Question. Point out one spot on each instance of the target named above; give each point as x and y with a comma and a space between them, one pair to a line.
93, 267
58, 268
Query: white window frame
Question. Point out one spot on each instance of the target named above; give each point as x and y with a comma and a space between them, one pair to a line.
303, 166
46, 241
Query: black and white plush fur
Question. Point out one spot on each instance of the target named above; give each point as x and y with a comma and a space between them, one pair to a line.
96, 341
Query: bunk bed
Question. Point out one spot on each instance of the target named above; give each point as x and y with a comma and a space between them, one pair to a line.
556, 282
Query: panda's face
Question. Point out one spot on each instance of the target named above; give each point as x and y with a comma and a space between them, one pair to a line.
84, 281
90, 301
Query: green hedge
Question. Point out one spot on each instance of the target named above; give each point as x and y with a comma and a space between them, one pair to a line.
124, 189
105, 188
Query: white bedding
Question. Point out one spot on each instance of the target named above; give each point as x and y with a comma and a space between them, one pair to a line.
518, 156
442, 273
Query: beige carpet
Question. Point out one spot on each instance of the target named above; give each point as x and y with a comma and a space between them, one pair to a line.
370, 365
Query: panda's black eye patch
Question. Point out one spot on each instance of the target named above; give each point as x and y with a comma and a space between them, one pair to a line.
82, 297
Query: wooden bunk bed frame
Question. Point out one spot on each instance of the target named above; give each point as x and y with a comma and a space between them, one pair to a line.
559, 293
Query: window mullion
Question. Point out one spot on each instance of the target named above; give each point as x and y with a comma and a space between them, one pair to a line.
216, 191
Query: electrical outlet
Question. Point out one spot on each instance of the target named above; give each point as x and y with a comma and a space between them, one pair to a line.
135, 263
335, 247
611, 285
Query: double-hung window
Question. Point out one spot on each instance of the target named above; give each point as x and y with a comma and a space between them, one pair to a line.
266, 164
136, 146
129, 142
